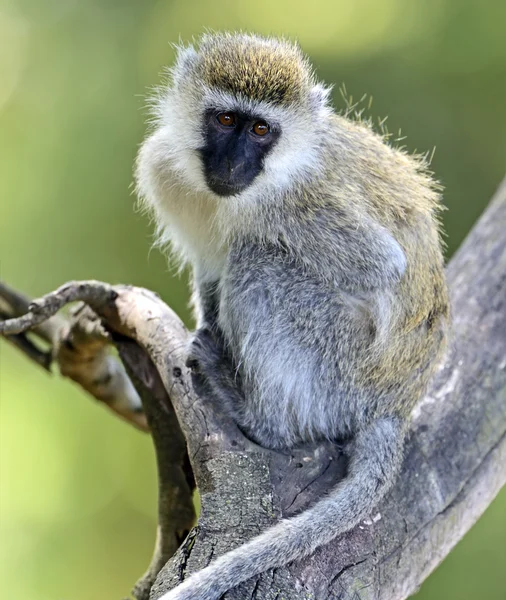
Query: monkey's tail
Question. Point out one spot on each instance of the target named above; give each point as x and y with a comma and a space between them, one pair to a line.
375, 460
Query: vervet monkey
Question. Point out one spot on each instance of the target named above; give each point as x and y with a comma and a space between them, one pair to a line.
319, 289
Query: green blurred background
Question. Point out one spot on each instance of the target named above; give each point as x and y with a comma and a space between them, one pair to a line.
77, 488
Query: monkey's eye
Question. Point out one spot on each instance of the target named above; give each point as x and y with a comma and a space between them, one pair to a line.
260, 128
227, 119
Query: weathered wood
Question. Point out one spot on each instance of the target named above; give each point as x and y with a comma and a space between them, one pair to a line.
176, 512
455, 459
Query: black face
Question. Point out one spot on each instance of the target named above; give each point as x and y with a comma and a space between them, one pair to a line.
235, 149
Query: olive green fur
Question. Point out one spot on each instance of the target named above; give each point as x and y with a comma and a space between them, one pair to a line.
373, 180
269, 70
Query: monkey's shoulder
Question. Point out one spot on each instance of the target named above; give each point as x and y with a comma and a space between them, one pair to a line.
364, 166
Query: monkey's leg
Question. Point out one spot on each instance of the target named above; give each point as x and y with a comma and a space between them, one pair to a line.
374, 463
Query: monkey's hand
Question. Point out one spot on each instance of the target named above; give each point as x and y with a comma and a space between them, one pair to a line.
210, 361
205, 352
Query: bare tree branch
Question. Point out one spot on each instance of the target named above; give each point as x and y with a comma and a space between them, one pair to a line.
454, 466
176, 512
16, 304
81, 348
23, 343
83, 353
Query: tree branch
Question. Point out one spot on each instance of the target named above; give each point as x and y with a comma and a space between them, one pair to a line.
81, 347
454, 466
23, 343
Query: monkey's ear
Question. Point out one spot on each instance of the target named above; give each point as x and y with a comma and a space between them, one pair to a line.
186, 58
319, 96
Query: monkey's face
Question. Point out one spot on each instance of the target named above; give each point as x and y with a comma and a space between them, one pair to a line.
236, 145
242, 117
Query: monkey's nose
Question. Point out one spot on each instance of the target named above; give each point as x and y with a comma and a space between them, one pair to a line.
235, 167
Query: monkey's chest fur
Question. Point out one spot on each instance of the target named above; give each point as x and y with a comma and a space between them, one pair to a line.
294, 344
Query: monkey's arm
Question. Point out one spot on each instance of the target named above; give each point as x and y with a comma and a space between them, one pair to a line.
209, 358
207, 354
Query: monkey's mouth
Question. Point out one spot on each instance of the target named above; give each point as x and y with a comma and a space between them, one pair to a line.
225, 188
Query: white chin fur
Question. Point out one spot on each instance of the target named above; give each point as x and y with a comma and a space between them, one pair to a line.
171, 182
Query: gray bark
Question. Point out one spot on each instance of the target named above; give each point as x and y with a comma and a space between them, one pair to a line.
454, 466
